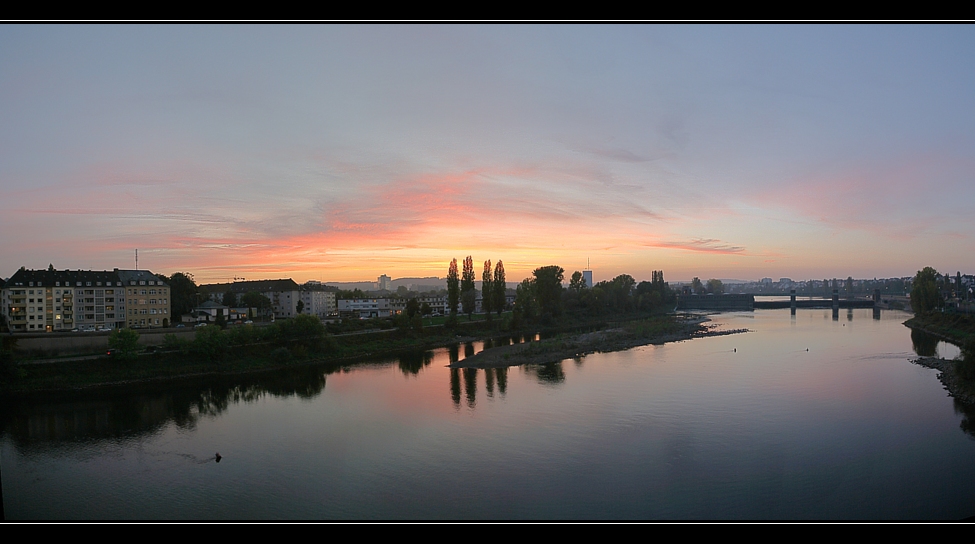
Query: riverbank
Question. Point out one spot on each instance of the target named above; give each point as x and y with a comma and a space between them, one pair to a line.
954, 328
957, 387
226, 357
565, 346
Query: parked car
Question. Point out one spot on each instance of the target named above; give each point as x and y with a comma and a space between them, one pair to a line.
198, 325
180, 326
248, 322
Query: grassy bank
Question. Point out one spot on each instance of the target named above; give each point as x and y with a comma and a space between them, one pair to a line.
954, 328
246, 350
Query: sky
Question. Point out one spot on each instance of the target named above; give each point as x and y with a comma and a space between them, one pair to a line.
342, 152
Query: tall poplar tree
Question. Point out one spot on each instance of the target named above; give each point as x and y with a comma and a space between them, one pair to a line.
487, 301
499, 289
453, 289
468, 297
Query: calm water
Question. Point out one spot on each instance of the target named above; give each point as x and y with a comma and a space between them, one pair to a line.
747, 426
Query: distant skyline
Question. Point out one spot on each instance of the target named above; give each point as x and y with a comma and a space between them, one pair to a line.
342, 152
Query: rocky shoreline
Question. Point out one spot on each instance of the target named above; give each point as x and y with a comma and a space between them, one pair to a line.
560, 348
958, 388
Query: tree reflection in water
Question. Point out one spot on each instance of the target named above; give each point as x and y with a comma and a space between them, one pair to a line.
925, 345
38, 421
489, 381
455, 386
967, 412
413, 362
547, 374
470, 386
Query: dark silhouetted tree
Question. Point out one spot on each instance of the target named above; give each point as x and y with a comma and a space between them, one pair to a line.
715, 286
468, 296
925, 295
548, 289
453, 288
499, 289
487, 300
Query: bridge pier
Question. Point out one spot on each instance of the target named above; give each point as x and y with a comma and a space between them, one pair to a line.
836, 304
792, 301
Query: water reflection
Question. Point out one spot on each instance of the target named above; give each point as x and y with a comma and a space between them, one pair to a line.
76, 417
455, 386
967, 411
547, 374
925, 345
470, 386
489, 381
411, 363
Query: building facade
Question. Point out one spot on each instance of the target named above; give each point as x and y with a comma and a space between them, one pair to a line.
284, 294
65, 300
147, 301
318, 300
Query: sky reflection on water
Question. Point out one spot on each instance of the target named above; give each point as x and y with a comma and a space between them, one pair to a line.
746, 426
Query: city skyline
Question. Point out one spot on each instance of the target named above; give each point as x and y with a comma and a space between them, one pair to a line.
341, 153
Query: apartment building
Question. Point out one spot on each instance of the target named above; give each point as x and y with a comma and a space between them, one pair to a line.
63, 300
284, 294
147, 299
318, 300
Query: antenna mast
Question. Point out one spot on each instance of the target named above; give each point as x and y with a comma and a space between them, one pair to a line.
137, 259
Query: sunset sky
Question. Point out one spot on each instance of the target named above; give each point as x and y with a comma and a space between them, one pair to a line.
340, 153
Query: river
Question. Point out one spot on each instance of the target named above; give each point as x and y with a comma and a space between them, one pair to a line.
804, 417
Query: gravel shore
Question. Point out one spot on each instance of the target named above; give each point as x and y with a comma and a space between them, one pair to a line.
963, 390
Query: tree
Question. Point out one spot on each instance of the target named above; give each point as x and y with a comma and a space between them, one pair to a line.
548, 289
468, 296
230, 299
526, 304
577, 282
925, 295
696, 286
487, 298
412, 308
453, 288
210, 343
300, 306
183, 292
221, 321
125, 342
715, 286
254, 299
499, 289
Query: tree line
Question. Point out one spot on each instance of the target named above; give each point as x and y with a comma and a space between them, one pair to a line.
461, 290
542, 298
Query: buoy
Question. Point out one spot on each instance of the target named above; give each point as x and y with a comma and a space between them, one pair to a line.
736, 350
218, 457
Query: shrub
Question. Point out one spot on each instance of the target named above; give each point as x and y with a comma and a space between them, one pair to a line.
210, 343
125, 342
281, 355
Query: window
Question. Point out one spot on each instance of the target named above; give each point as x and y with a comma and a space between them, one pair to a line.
142, 292
87, 284
57, 284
